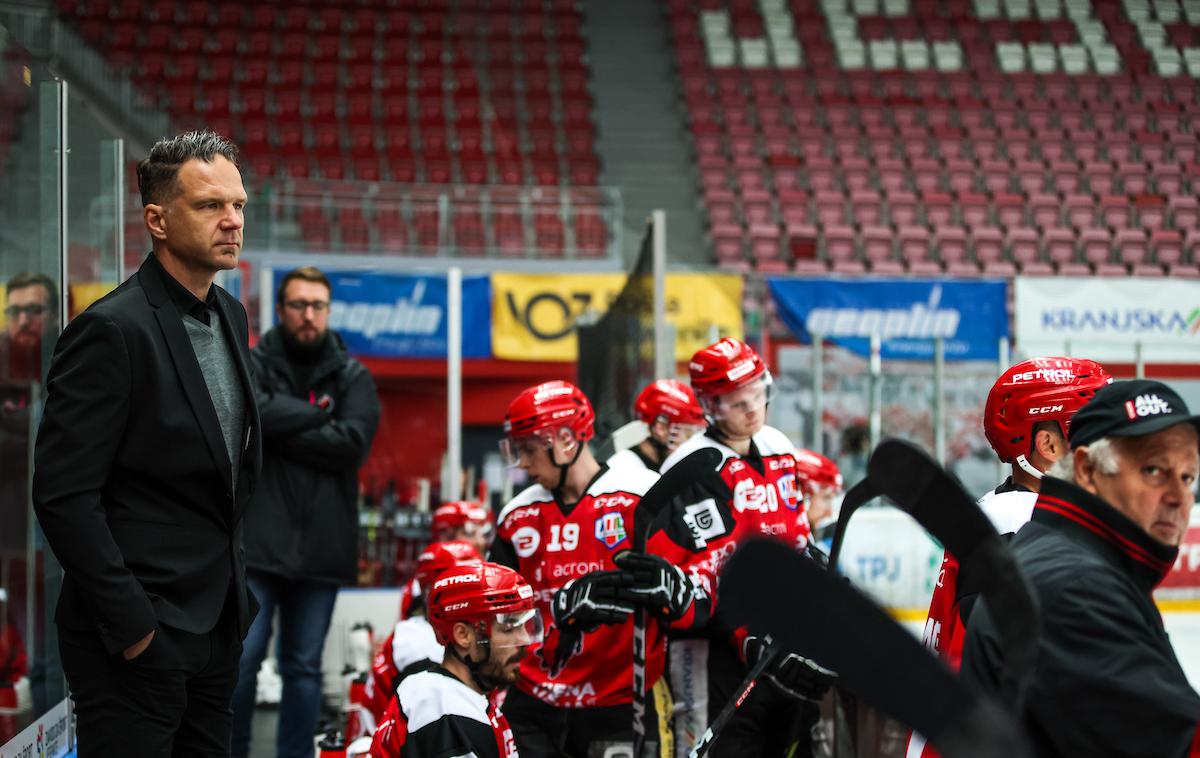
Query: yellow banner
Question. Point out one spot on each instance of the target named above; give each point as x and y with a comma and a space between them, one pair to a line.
533, 315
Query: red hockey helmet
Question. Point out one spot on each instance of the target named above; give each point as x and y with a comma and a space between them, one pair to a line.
440, 556
1039, 389
817, 471
543, 410
724, 367
466, 516
479, 595
669, 399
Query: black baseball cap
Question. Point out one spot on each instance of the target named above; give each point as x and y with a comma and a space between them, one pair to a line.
1129, 409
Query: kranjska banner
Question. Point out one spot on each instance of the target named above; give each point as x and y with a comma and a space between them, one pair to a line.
1105, 319
383, 315
907, 314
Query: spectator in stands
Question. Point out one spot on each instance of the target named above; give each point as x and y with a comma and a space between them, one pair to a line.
319, 410
146, 456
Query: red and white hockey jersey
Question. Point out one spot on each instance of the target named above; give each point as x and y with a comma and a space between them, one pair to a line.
1008, 508
435, 713
764, 500
411, 642
550, 545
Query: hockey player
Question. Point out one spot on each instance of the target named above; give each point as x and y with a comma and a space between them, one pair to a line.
671, 414
574, 697
484, 614
1025, 420
455, 520
412, 646
821, 483
758, 494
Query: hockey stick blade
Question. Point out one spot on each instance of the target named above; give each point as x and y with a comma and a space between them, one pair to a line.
875, 658
742, 693
856, 497
935, 498
701, 463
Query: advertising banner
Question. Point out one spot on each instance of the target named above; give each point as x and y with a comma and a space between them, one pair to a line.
1104, 319
970, 316
533, 315
48, 737
384, 315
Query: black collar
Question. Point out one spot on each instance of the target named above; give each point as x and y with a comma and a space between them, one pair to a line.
1008, 485
1068, 508
181, 297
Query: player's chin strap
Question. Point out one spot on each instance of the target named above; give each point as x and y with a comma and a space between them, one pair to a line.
481, 680
1028, 467
562, 467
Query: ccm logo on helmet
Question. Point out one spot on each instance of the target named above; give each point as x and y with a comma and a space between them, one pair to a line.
456, 607
459, 579
1045, 409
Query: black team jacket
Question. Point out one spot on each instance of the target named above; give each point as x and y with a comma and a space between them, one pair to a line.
1107, 682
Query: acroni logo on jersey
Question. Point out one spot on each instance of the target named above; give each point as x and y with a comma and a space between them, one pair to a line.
610, 529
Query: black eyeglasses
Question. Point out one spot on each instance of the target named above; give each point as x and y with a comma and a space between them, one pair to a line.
15, 311
300, 306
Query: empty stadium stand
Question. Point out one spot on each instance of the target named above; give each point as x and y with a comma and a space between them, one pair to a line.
991, 137
459, 102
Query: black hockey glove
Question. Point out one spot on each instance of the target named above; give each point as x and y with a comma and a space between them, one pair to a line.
601, 597
801, 678
658, 585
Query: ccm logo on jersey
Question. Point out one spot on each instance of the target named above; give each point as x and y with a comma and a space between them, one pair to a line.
615, 500
610, 529
777, 463
1045, 409
526, 540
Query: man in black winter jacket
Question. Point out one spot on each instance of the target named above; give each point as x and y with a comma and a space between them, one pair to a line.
319, 412
1105, 531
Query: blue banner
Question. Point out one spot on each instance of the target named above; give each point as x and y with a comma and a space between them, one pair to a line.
907, 314
404, 315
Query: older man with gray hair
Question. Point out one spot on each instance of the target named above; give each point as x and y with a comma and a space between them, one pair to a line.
1105, 531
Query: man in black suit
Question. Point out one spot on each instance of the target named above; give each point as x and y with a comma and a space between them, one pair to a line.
147, 453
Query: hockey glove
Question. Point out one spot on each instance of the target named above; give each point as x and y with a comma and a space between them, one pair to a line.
658, 585
801, 678
601, 597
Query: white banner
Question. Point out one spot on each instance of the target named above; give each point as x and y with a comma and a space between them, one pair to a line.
1104, 319
48, 737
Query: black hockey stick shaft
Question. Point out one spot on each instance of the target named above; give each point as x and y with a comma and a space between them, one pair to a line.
920, 487
876, 659
741, 694
855, 498
701, 463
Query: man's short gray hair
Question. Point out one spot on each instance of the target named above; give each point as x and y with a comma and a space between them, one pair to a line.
157, 172
1103, 456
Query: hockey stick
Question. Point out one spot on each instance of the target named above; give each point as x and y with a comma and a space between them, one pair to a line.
936, 499
856, 497
741, 694
886, 666
688, 470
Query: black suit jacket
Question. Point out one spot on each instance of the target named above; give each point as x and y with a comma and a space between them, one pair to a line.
132, 481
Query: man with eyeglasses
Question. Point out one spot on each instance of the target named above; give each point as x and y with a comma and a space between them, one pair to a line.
29, 314
319, 413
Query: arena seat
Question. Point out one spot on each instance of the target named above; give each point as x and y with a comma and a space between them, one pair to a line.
454, 92
1031, 140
